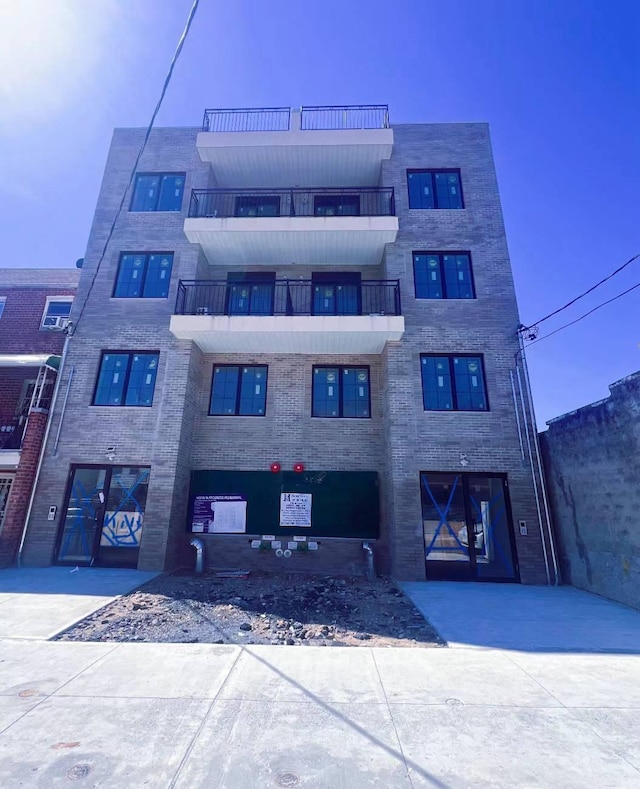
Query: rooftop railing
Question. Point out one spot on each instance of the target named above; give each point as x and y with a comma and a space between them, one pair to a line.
288, 297
265, 119
269, 203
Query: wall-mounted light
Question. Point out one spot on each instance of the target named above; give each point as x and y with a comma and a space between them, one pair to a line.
298, 468
275, 467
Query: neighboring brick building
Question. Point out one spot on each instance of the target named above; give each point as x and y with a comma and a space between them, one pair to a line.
592, 464
33, 306
306, 287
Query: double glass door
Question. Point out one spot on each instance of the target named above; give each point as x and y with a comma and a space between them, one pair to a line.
468, 532
103, 516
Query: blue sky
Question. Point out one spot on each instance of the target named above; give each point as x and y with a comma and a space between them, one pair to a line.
559, 83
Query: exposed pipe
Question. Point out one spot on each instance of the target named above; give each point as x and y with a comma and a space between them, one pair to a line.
63, 411
371, 569
536, 444
54, 398
517, 410
533, 475
199, 546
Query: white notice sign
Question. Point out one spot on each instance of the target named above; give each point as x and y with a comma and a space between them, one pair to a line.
295, 509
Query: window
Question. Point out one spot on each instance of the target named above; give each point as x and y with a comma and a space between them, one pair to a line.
336, 293
3, 301
158, 192
144, 275
341, 392
238, 390
126, 378
257, 205
453, 383
443, 275
250, 293
434, 189
336, 205
56, 312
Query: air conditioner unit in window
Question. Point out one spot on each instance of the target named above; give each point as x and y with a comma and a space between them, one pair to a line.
56, 323
202, 311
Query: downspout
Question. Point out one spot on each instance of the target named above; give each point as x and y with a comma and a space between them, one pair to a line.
517, 412
371, 570
199, 546
63, 411
536, 444
54, 398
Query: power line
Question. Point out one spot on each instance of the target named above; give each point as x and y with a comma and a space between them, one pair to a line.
577, 320
582, 295
134, 169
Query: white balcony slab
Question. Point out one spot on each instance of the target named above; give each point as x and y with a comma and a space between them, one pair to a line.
335, 157
315, 240
303, 334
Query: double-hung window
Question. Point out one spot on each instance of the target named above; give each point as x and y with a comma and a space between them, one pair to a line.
341, 392
126, 378
238, 390
434, 189
443, 275
453, 383
158, 192
144, 275
56, 312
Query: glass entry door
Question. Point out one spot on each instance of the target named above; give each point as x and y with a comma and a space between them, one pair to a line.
467, 527
104, 515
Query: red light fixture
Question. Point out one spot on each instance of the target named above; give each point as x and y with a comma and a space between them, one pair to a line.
298, 468
275, 467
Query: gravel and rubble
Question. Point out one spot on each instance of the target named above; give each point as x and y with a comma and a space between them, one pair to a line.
261, 609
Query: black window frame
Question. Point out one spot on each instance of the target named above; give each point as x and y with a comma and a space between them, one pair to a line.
146, 255
441, 255
239, 389
432, 171
131, 353
454, 394
341, 368
160, 175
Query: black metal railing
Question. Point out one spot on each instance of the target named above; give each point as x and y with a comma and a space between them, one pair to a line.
11, 432
362, 116
247, 120
288, 297
254, 203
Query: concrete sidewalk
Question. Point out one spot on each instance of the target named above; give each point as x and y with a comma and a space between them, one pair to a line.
184, 715
40, 602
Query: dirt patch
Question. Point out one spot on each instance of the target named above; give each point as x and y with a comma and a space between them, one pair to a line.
261, 609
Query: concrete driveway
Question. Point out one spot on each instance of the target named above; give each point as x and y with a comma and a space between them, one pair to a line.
191, 715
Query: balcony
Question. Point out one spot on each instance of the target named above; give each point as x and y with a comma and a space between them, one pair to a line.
305, 226
288, 316
313, 146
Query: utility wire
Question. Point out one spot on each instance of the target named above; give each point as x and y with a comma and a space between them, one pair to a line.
577, 320
134, 169
582, 295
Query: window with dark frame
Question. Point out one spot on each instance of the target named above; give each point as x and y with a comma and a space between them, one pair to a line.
257, 205
434, 189
341, 392
158, 192
144, 275
336, 205
453, 383
126, 378
443, 275
238, 390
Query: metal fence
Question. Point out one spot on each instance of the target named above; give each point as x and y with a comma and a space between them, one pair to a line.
288, 297
256, 203
363, 116
247, 120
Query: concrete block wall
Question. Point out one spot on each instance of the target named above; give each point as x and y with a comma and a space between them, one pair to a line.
592, 464
419, 440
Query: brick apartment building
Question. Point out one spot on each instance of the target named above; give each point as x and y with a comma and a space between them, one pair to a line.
34, 305
302, 337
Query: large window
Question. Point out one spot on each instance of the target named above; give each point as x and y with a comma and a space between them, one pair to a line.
453, 383
158, 192
126, 378
443, 275
238, 391
341, 392
144, 275
257, 205
434, 189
